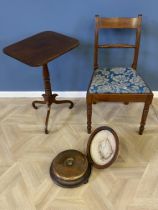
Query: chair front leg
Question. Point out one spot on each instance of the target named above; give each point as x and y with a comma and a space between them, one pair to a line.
89, 114
144, 115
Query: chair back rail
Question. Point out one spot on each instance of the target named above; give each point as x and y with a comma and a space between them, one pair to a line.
118, 23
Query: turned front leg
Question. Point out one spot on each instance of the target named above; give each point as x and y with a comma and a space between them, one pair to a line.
89, 114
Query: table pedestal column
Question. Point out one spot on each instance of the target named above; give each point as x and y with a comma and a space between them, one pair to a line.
49, 98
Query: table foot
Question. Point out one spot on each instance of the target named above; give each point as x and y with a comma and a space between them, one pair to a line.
38, 102
64, 101
46, 131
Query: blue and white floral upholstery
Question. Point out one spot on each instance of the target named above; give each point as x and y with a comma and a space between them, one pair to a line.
117, 80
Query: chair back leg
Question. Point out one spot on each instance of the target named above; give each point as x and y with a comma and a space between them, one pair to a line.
145, 114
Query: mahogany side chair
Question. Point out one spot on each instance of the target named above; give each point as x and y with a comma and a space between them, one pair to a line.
118, 84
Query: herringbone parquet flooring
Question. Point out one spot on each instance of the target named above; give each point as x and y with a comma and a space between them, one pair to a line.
131, 183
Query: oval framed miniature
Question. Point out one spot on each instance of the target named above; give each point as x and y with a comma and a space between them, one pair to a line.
103, 147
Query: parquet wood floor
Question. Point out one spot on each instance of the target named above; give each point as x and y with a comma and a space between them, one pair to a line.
131, 183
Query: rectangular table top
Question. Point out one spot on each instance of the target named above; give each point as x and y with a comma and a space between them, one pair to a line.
41, 48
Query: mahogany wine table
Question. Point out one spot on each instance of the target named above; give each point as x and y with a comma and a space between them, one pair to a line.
38, 50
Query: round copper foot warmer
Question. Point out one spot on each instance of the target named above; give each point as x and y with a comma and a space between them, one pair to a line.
70, 168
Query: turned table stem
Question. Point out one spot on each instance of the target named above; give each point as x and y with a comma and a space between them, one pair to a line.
49, 98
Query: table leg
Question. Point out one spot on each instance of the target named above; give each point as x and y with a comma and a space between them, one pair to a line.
47, 118
37, 102
64, 101
49, 98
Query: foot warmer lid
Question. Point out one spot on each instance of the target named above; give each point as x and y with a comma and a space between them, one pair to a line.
70, 168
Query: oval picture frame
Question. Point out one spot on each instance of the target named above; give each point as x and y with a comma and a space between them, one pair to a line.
102, 147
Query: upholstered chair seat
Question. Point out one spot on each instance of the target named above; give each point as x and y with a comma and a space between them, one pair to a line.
117, 80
